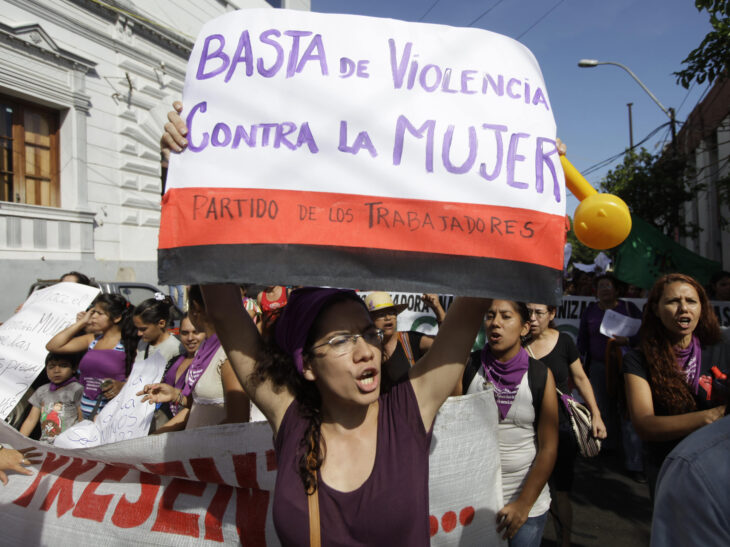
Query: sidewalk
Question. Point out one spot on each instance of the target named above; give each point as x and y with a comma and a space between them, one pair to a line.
609, 508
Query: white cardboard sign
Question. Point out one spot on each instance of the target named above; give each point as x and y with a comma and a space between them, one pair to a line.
124, 417
24, 336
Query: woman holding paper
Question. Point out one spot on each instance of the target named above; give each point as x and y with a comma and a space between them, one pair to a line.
558, 352
592, 345
668, 381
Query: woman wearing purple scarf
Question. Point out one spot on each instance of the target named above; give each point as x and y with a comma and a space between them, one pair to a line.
668, 383
528, 420
210, 393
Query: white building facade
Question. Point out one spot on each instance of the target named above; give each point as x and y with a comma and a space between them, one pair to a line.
84, 90
705, 137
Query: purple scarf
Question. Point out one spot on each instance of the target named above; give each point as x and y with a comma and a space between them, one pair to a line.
54, 387
690, 361
200, 362
506, 377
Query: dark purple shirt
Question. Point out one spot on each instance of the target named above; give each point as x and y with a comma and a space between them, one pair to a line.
391, 506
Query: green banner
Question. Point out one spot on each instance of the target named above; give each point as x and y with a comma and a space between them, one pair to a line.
647, 254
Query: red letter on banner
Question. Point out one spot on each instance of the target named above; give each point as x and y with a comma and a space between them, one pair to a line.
206, 471
92, 506
130, 514
245, 467
251, 507
50, 464
176, 469
178, 522
64, 486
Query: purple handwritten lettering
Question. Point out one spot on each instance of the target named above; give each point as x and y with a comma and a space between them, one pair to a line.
512, 158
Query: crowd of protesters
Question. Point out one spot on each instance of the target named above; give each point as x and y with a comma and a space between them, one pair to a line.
279, 357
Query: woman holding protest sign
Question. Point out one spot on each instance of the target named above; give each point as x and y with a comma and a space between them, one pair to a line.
669, 385
340, 444
524, 392
558, 352
108, 335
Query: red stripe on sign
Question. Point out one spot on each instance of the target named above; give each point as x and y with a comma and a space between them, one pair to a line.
221, 216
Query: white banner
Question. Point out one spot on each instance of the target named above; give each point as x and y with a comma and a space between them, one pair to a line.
382, 104
24, 336
215, 485
124, 417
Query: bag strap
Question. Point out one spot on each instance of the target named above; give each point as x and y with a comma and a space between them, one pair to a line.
406, 343
536, 378
314, 532
470, 371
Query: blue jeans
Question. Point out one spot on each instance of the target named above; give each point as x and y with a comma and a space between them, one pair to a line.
530, 533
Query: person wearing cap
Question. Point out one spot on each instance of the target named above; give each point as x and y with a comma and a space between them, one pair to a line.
340, 443
402, 349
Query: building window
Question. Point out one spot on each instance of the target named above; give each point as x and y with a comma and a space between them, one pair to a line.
29, 167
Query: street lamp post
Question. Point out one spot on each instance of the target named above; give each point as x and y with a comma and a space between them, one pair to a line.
590, 63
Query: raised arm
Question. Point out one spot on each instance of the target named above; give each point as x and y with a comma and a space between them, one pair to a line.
242, 342
436, 374
650, 427
69, 339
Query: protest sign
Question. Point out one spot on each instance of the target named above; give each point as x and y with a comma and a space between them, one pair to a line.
215, 485
24, 336
124, 417
369, 153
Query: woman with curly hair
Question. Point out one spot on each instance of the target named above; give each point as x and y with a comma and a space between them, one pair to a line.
360, 457
667, 382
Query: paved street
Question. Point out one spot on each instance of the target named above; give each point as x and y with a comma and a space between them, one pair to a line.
609, 507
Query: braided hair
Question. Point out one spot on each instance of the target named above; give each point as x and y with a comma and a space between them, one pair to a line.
278, 367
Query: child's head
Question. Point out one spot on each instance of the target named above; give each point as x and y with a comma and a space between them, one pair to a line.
60, 367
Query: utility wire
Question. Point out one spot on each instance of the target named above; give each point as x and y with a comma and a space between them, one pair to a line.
485, 12
548, 12
429, 10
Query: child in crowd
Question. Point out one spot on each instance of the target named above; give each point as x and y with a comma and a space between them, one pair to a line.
56, 405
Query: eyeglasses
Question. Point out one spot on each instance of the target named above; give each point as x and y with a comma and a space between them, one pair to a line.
345, 343
388, 312
539, 314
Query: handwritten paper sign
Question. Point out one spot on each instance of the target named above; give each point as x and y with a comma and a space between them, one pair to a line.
124, 417
363, 152
616, 324
24, 336
215, 485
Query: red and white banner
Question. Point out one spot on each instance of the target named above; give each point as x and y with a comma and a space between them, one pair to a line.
362, 152
215, 485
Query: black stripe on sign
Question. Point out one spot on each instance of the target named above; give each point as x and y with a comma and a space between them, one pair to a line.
359, 268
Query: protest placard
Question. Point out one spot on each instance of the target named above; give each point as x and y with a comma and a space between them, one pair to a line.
125, 416
369, 153
215, 485
24, 336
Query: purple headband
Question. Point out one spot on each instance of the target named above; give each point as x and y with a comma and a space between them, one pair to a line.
302, 308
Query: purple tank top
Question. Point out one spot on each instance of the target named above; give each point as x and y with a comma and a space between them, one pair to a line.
98, 364
391, 506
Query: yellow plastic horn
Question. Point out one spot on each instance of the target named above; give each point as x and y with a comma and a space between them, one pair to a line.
602, 221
